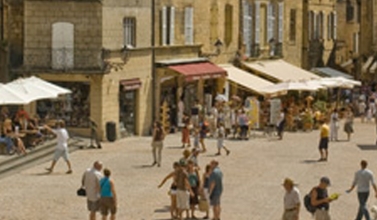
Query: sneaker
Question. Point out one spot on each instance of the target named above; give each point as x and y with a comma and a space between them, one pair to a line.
218, 154
69, 172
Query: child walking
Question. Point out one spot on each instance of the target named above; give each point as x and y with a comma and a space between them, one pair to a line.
220, 139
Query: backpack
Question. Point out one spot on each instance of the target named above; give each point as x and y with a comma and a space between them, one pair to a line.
308, 204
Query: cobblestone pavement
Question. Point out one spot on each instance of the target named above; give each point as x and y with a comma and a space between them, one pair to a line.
253, 174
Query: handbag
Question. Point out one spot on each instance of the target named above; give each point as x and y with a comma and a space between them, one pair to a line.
203, 205
81, 192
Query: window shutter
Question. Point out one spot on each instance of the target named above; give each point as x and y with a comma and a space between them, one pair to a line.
329, 27
335, 20
270, 22
228, 24
189, 29
281, 19
247, 23
164, 26
172, 28
310, 26
257, 22
315, 25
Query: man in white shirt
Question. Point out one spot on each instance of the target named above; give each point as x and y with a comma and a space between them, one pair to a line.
61, 149
291, 201
90, 181
363, 179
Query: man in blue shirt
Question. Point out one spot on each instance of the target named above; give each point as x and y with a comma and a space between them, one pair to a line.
363, 179
215, 188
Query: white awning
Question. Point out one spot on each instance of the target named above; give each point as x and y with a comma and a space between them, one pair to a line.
245, 79
373, 67
347, 63
281, 70
367, 64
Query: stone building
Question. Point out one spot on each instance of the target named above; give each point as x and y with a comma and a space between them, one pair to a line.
101, 51
191, 37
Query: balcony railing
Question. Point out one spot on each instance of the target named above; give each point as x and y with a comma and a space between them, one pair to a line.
63, 59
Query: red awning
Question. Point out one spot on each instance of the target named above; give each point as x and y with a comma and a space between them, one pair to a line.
130, 84
196, 71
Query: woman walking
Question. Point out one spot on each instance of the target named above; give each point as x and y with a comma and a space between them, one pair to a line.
281, 123
157, 143
173, 190
348, 125
193, 177
186, 131
108, 200
205, 187
334, 125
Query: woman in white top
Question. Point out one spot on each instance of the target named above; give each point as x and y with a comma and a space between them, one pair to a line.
61, 149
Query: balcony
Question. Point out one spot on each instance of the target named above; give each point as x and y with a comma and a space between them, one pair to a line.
64, 60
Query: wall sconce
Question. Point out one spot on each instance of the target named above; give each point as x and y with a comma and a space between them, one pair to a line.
218, 44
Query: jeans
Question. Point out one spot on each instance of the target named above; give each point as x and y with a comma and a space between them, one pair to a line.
8, 142
363, 210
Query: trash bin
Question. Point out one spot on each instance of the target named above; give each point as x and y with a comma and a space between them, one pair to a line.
111, 134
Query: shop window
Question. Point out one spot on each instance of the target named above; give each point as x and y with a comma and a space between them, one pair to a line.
292, 25
62, 45
129, 28
228, 24
73, 108
189, 25
167, 25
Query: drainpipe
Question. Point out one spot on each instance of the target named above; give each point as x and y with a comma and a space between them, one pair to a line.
153, 11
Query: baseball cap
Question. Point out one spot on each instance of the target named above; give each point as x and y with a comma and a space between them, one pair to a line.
326, 180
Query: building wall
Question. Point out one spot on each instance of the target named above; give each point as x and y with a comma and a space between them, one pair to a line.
86, 18
367, 26
292, 50
137, 65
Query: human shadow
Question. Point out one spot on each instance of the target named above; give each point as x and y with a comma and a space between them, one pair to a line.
309, 161
163, 209
174, 147
367, 146
142, 166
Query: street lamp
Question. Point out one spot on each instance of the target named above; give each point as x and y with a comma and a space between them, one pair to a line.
218, 44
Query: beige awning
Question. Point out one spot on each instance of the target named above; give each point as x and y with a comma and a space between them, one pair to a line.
280, 70
373, 67
245, 79
367, 64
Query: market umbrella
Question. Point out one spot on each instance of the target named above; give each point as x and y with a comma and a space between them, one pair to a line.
338, 82
10, 96
221, 98
29, 91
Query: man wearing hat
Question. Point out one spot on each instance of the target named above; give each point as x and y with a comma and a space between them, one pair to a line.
320, 199
291, 201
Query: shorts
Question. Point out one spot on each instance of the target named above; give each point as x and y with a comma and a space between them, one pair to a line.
215, 200
220, 143
324, 143
183, 198
93, 206
106, 204
61, 153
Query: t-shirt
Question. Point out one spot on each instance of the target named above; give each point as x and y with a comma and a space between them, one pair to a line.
325, 131
292, 199
62, 138
363, 179
91, 180
217, 178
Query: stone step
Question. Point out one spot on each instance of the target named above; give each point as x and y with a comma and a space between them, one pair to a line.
17, 163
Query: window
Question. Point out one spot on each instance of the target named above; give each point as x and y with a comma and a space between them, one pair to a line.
350, 11
312, 23
228, 24
321, 25
167, 25
329, 27
281, 19
62, 45
257, 23
214, 23
247, 27
189, 25
129, 27
356, 43
271, 22
292, 25
334, 21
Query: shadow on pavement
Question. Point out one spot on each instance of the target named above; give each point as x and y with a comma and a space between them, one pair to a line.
367, 146
142, 166
309, 161
163, 210
175, 147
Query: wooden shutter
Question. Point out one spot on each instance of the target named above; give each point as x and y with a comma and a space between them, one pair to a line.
189, 25
257, 23
281, 20
164, 26
247, 23
335, 20
270, 22
228, 24
214, 35
171, 26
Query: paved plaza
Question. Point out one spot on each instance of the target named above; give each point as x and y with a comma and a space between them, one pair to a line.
253, 174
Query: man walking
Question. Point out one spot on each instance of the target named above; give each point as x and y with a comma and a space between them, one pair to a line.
324, 141
215, 189
90, 181
319, 198
291, 201
363, 178
183, 189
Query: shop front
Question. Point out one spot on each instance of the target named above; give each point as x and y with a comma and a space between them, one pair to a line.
181, 84
128, 102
